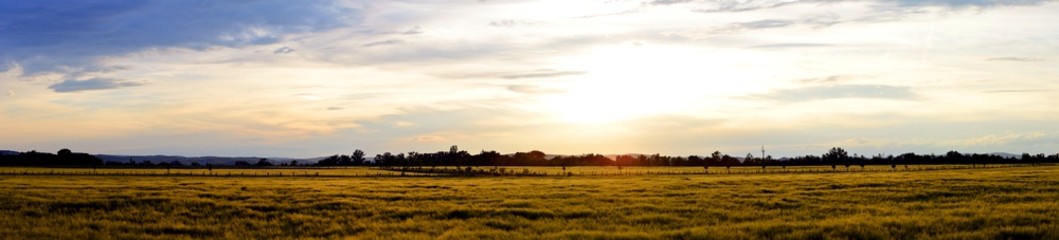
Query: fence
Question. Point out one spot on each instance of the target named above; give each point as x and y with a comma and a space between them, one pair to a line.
482, 173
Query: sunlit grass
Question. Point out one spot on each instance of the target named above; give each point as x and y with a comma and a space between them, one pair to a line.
1000, 203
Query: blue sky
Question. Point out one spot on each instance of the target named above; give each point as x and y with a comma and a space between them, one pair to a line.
681, 77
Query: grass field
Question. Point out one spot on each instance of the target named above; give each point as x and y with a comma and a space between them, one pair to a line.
1000, 203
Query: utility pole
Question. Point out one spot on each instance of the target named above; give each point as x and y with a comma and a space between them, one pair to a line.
764, 161
762, 152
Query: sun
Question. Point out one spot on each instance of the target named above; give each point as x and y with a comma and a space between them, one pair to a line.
632, 81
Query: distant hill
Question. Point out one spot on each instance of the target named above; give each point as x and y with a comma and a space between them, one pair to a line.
155, 159
1005, 155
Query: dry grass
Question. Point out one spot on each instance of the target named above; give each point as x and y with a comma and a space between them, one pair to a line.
1004, 203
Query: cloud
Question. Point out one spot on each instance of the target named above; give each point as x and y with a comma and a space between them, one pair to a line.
52, 35
503, 23
283, 50
1015, 59
609, 14
743, 6
966, 3
10, 93
381, 43
71, 85
841, 91
762, 24
881, 11
723, 6
309, 96
791, 45
825, 80
815, 21
667, 2
1016, 91
531, 89
548, 74
413, 31
1022, 138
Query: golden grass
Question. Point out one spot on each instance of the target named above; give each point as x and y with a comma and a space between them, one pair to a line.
1003, 203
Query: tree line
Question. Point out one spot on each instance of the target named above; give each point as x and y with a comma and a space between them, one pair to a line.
454, 157
64, 157
834, 157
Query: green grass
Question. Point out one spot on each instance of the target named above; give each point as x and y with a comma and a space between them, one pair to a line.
1001, 203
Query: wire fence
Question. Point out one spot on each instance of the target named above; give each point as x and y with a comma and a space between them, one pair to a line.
486, 172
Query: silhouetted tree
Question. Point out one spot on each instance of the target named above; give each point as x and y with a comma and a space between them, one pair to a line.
358, 157
835, 156
453, 156
263, 163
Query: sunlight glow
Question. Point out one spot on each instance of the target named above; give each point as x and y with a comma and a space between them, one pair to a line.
634, 80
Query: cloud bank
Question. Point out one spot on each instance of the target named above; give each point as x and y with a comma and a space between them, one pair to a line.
90, 84
51, 35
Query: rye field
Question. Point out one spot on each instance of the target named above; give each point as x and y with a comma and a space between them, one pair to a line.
984, 203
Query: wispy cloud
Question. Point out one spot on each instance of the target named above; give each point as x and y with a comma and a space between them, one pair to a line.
91, 84
532, 89
503, 23
816, 21
413, 31
966, 3
810, 93
667, 2
743, 6
1023, 138
792, 45
609, 14
1015, 59
547, 74
283, 50
710, 6
382, 43
826, 80
1016, 91
762, 24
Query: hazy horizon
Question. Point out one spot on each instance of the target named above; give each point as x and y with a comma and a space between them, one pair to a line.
677, 77
372, 154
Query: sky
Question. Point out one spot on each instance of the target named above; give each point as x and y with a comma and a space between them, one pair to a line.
677, 77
